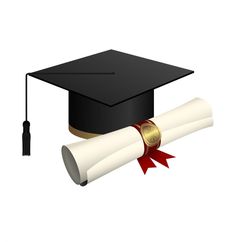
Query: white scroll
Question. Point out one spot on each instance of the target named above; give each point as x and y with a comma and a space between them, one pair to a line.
90, 159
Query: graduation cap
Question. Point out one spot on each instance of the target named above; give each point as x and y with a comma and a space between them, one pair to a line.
107, 91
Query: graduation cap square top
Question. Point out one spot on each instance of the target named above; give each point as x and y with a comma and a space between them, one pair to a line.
109, 90
111, 77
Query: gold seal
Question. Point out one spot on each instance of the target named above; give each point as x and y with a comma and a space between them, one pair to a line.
151, 134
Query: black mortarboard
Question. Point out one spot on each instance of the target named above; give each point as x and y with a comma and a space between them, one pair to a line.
107, 91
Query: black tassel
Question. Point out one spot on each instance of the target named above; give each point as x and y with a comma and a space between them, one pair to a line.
26, 138
26, 123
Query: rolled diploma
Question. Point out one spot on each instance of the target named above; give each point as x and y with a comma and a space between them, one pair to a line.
90, 159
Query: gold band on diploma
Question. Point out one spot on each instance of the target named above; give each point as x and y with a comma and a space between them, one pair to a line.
150, 133
82, 134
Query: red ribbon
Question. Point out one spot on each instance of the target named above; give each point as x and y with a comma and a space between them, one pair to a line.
145, 161
150, 153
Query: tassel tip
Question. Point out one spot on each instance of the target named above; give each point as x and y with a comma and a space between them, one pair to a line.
26, 138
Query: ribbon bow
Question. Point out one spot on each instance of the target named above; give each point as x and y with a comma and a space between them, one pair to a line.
151, 137
145, 161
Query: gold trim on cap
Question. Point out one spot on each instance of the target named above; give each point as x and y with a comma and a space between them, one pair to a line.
151, 134
82, 134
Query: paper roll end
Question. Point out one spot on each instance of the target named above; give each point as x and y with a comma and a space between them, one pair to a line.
71, 165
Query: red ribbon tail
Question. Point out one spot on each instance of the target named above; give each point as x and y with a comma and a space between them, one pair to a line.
161, 157
145, 162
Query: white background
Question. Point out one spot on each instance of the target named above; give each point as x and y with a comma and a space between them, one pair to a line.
192, 201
